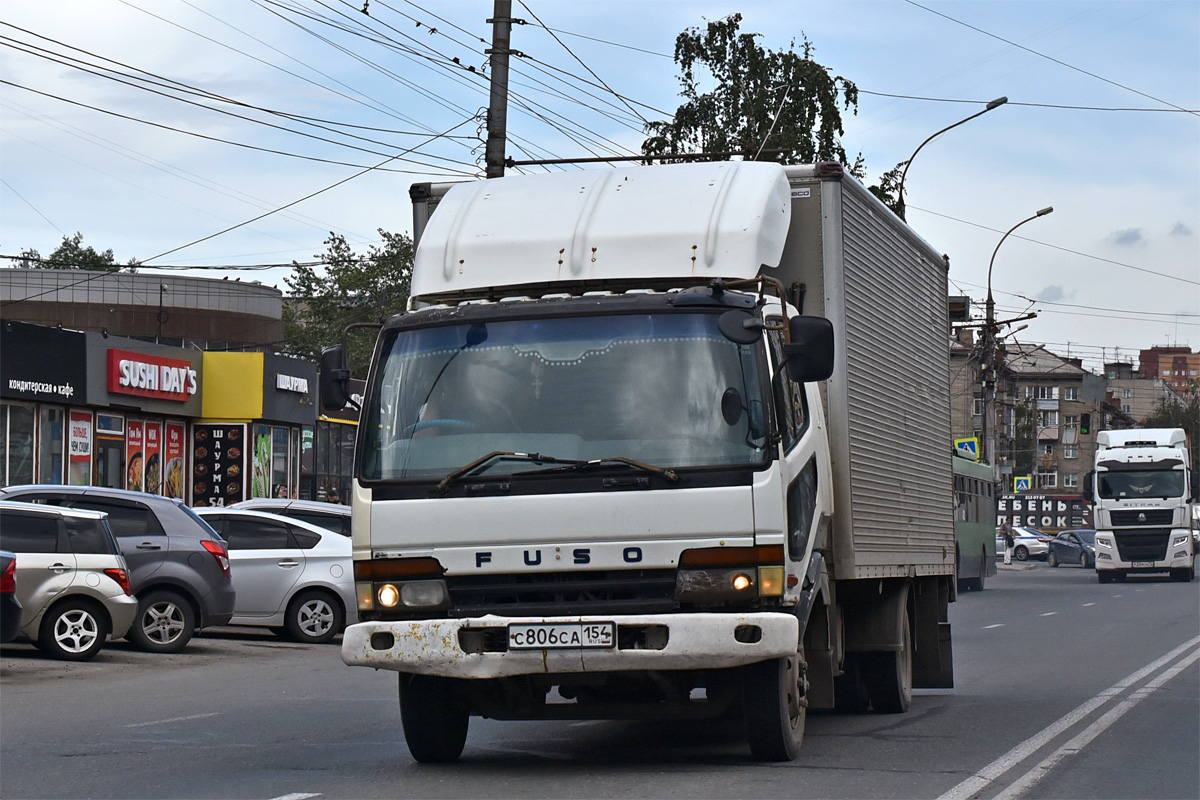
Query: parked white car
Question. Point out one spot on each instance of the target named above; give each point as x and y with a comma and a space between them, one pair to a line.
1030, 543
292, 576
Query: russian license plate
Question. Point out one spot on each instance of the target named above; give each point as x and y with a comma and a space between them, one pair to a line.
1137, 564
551, 636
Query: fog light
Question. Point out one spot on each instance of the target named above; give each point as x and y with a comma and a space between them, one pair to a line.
389, 596
1104, 555
423, 593
770, 581
740, 582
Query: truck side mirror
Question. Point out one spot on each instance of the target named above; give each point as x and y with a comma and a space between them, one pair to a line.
335, 378
809, 355
1088, 480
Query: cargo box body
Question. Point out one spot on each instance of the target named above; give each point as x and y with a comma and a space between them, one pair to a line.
849, 259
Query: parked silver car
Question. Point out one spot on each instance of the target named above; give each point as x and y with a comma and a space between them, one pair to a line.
333, 516
289, 575
1030, 543
71, 579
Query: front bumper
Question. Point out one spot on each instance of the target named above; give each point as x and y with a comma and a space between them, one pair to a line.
1179, 554
693, 641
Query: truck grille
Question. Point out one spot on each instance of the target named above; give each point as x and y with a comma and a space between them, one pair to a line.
1147, 516
558, 593
1142, 545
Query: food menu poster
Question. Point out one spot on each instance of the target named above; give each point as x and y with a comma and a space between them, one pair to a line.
134, 455
218, 464
152, 433
173, 472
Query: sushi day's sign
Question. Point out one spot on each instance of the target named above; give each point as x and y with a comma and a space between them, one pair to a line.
145, 375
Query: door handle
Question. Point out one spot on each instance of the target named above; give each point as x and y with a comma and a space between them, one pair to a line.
289, 563
59, 568
148, 546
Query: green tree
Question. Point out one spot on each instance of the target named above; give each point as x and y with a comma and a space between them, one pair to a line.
71, 254
351, 288
760, 100
1025, 438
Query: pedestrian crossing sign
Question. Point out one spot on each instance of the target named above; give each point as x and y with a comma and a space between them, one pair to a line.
1022, 483
967, 448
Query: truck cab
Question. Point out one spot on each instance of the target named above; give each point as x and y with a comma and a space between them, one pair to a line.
1143, 490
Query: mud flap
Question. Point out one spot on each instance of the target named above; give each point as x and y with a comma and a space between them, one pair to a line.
933, 659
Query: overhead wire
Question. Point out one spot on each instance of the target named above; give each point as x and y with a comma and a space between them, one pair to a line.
1027, 105
300, 200
1057, 247
1049, 58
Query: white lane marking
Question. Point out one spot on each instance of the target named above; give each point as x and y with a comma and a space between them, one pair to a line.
1085, 605
997, 625
1049, 614
173, 719
980, 780
297, 796
1029, 779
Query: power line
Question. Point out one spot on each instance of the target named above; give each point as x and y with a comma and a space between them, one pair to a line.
1028, 105
302, 199
1056, 247
31, 205
585, 66
443, 170
1050, 58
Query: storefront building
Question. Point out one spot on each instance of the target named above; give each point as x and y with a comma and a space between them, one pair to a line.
257, 409
91, 410
327, 456
209, 428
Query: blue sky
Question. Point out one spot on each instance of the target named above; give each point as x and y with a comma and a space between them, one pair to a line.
1112, 270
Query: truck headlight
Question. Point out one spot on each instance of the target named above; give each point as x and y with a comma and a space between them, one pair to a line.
1179, 540
1105, 543
725, 574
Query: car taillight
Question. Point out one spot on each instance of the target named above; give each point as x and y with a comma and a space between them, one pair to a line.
219, 553
121, 577
8, 581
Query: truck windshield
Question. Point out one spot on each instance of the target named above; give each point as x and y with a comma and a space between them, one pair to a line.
666, 389
1140, 483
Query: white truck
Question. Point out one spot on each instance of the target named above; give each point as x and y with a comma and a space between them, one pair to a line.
1143, 492
650, 442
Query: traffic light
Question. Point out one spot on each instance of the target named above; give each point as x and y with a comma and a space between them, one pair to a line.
1085, 424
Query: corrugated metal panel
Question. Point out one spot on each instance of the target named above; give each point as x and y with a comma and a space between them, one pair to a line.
897, 392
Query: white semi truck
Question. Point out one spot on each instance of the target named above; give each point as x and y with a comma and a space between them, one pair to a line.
1143, 492
650, 442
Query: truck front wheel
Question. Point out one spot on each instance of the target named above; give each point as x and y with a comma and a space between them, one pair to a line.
776, 707
433, 718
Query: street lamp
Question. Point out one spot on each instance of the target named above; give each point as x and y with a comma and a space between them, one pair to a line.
999, 101
989, 351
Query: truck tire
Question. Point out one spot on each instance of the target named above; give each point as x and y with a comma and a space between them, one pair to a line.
849, 689
434, 720
776, 707
1182, 575
890, 674
1104, 575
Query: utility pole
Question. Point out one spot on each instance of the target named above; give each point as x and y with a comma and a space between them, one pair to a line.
497, 116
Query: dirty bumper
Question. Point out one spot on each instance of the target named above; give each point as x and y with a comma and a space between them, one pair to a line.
644, 642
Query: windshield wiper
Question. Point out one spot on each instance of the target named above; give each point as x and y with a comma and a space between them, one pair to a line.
566, 464
498, 455
580, 465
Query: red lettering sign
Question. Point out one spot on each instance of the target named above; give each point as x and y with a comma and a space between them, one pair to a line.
151, 376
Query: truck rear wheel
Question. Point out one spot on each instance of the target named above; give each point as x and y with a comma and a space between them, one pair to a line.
890, 675
776, 707
434, 720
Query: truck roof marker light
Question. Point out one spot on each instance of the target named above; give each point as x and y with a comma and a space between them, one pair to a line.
731, 556
389, 569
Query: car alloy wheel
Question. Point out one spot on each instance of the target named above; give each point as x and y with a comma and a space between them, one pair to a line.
73, 631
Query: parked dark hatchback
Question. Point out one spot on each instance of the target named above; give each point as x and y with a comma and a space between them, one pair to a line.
10, 607
179, 566
1073, 547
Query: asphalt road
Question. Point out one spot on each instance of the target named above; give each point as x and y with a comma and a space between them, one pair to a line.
1064, 689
